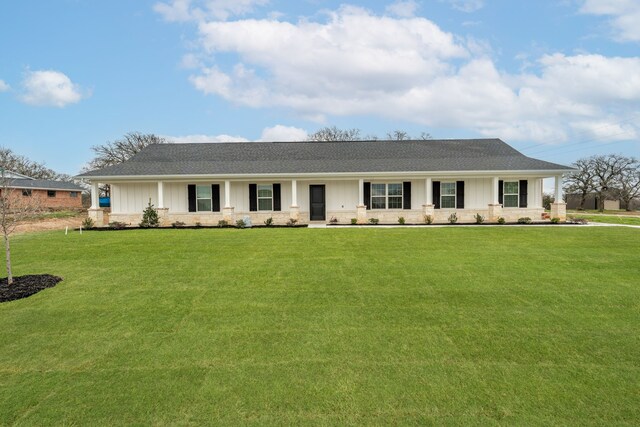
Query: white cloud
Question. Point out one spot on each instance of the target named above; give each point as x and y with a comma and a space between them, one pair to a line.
49, 88
625, 16
4, 86
283, 133
402, 9
466, 6
408, 69
198, 10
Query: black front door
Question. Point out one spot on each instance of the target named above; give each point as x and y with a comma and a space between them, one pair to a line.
316, 199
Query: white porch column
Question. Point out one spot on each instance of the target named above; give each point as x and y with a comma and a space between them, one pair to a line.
160, 195
558, 189
294, 192
429, 191
361, 192
495, 190
228, 212
95, 195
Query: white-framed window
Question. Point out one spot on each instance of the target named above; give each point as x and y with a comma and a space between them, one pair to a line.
26, 192
447, 195
510, 194
73, 194
265, 197
386, 196
203, 198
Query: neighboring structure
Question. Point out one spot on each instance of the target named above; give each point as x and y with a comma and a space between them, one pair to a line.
317, 181
50, 194
611, 203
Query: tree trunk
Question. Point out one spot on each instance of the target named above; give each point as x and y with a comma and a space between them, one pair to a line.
7, 249
583, 200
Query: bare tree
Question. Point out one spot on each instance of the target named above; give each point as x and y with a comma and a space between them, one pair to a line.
120, 150
608, 170
11, 161
398, 135
425, 136
14, 207
629, 185
582, 181
334, 134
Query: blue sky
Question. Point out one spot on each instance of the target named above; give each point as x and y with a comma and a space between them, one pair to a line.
559, 80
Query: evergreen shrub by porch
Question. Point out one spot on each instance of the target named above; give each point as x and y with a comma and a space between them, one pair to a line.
524, 220
401, 220
501, 221
149, 217
479, 218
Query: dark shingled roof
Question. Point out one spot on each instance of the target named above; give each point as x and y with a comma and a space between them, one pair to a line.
325, 157
43, 184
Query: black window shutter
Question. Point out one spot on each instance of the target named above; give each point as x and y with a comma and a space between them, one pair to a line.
406, 195
253, 197
501, 192
523, 193
276, 197
459, 194
215, 197
191, 191
367, 195
435, 186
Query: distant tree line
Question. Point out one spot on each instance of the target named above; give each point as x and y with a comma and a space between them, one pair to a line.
335, 134
608, 175
10, 161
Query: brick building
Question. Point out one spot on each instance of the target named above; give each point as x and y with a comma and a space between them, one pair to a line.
50, 194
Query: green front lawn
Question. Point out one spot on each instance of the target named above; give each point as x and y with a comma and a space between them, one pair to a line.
607, 219
514, 326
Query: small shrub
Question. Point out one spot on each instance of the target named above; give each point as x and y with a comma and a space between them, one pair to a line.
178, 224
479, 218
374, 221
501, 221
555, 220
88, 223
453, 218
149, 217
223, 223
240, 223
117, 225
428, 219
268, 222
524, 220
574, 220
292, 222
354, 221
198, 224
333, 220
401, 220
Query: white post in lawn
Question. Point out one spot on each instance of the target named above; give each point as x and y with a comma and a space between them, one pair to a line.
558, 207
95, 213
294, 209
361, 209
495, 208
228, 211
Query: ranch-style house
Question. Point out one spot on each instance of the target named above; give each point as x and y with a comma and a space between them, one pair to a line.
317, 181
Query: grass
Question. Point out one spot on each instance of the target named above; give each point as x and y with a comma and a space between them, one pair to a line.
609, 219
605, 212
511, 326
57, 214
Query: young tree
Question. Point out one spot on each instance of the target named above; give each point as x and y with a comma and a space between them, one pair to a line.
14, 207
582, 181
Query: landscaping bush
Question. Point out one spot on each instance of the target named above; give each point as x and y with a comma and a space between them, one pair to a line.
401, 220
223, 223
479, 218
117, 225
268, 222
178, 224
354, 221
374, 221
333, 220
453, 218
524, 220
240, 223
501, 221
428, 219
88, 223
291, 222
555, 220
149, 217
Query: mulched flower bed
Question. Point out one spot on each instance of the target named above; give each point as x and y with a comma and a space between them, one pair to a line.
25, 286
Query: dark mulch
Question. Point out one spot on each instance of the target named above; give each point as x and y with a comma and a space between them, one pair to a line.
25, 286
